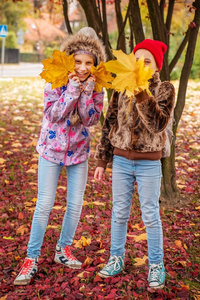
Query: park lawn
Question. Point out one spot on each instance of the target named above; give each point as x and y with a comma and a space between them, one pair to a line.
21, 108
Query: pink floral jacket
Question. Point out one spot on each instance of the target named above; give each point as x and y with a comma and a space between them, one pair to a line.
60, 141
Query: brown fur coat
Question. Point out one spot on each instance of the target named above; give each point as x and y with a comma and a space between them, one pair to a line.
136, 127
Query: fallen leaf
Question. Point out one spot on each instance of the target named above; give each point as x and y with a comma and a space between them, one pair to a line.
2, 160
140, 261
21, 230
178, 243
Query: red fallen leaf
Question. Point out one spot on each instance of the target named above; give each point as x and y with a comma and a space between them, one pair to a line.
112, 294
91, 269
20, 215
115, 279
140, 283
189, 189
97, 279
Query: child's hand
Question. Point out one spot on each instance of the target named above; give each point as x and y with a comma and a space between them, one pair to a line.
91, 78
99, 174
74, 77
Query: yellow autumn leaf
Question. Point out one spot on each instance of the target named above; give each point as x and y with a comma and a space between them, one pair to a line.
103, 77
2, 160
31, 171
8, 152
83, 242
88, 261
101, 251
131, 75
56, 69
16, 145
141, 237
8, 238
81, 275
178, 243
137, 226
140, 261
22, 230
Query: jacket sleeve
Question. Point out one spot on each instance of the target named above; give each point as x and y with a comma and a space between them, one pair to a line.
155, 112
60, 102
90, 105
104, 150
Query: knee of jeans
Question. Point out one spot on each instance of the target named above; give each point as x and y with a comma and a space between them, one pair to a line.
119, 217
151, 220
43, 209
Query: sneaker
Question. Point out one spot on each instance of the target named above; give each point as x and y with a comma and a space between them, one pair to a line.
28, 270
156, 277
65, 257
114, 266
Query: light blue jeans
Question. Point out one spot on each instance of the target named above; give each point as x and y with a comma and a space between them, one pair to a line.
147, 173
48, 174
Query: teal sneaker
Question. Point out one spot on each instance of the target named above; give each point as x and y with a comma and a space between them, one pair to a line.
114, 266
156, 277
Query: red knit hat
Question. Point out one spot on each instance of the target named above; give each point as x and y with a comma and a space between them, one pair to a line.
157, 49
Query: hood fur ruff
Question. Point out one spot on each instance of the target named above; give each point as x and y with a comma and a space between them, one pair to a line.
80, 41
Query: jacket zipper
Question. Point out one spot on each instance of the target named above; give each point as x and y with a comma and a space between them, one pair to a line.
65, 157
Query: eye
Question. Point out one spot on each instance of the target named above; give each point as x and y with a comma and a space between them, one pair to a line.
147, 62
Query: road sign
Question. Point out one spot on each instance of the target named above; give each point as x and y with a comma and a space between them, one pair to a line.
3, 31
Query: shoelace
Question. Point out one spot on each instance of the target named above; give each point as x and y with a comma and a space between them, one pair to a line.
26, 267
154, 272
68, 253
115, 262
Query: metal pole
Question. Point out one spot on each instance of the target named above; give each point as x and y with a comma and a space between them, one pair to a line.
2, 55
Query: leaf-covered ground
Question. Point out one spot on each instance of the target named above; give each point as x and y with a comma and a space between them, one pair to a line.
21, 104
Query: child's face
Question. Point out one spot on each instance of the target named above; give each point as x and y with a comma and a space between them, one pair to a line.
83, 64
148, 58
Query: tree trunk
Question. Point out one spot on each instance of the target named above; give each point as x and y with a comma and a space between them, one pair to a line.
159, 32
65, 12
136, 22
121, 44
169, 189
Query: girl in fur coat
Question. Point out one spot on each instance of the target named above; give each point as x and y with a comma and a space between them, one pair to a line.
64, 140
134, 143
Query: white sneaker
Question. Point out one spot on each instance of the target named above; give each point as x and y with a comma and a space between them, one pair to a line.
65, 257
28, 270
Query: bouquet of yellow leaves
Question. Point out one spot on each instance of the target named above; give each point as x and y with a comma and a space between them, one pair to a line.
130, 75
57, 69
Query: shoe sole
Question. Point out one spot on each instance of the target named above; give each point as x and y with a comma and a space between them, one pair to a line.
157, 287
107, 276
22, 282
69, 266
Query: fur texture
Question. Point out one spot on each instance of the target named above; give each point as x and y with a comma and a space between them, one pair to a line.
88, 43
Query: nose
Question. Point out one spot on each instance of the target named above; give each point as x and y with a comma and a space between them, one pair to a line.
83, 66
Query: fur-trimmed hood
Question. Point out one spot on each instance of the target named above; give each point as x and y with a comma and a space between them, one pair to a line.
86, 39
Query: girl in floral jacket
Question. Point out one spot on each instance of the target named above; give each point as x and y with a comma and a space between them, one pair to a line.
133, 137
64, 140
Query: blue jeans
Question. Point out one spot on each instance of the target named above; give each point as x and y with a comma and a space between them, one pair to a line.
147, 173
48, 174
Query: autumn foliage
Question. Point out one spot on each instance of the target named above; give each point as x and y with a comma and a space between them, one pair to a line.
21, 114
